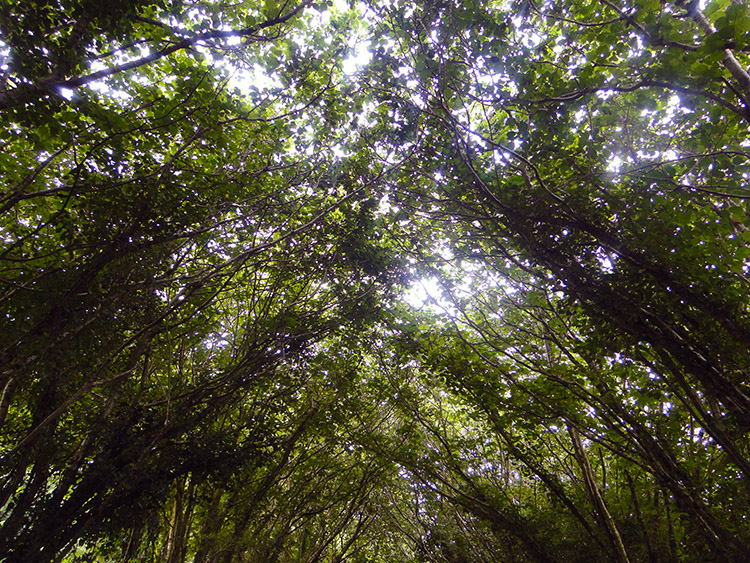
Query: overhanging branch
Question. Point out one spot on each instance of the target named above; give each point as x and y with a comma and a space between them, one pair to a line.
29, 92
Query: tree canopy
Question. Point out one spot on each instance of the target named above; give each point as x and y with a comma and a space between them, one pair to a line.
378, 281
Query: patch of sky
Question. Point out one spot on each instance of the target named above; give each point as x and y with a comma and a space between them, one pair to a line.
359, 58
426, 293
606, 260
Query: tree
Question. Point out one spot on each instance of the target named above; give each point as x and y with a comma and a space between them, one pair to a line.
169, 248
207, 223
579, 177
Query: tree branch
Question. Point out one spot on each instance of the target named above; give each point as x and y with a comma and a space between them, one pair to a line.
30, 92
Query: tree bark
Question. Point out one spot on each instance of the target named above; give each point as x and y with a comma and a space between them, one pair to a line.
596, 497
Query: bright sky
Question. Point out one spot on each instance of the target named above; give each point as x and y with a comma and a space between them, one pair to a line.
357, 59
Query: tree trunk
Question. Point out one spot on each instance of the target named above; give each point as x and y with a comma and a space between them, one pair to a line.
592, 488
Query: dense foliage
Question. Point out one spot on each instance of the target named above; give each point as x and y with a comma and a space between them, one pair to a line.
216, 220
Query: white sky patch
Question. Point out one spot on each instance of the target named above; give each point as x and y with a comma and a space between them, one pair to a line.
427, 294
605, 261
614, 164
358, 59
67, 93
257, 78
422, 291
385, 207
